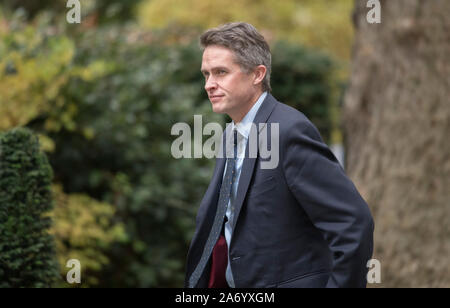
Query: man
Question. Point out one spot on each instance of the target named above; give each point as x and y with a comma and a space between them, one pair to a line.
301, 223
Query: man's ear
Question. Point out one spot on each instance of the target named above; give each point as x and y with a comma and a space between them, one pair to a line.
259, 73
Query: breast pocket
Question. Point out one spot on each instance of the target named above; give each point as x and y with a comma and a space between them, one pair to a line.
262, 186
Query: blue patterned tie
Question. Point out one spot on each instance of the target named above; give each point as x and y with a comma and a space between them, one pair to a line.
224, 197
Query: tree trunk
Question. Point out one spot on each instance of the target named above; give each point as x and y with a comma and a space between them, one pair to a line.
397, 123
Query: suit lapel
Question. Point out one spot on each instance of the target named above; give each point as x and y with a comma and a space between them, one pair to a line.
249, 163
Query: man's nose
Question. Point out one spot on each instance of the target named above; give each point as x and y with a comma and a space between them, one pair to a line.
210, 84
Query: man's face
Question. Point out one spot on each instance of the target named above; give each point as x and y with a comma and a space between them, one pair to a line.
230, 90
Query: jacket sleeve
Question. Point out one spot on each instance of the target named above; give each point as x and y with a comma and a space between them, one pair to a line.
331, 202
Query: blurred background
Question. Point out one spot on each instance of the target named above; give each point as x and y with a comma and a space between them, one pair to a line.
86, 111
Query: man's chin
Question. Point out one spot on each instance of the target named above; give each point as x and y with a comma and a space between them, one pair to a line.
218, 109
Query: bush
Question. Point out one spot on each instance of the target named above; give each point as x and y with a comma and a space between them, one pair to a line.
83, 230
120, 150
303, 79
27, 251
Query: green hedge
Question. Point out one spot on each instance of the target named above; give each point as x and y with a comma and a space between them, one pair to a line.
27, 253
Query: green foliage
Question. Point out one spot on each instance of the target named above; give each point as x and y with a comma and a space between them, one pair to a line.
320, 24
83, 230
302, 78
115, 10
35, 64
27, 252
33, 67
125, 159
100, 10
32, 8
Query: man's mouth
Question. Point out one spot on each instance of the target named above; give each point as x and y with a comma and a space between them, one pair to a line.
215, 98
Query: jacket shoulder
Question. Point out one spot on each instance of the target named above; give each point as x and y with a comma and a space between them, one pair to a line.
292, 120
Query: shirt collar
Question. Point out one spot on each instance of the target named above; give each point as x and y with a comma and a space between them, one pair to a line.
245, 125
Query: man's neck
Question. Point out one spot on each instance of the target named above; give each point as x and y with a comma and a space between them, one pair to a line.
237, 119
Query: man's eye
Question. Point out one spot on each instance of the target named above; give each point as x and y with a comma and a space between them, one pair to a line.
221, 72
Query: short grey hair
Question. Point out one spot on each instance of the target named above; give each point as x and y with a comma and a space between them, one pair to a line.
248, 45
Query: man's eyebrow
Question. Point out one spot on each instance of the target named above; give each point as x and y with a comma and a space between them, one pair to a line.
214, 69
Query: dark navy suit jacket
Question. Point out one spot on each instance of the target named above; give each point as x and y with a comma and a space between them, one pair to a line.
301, 224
